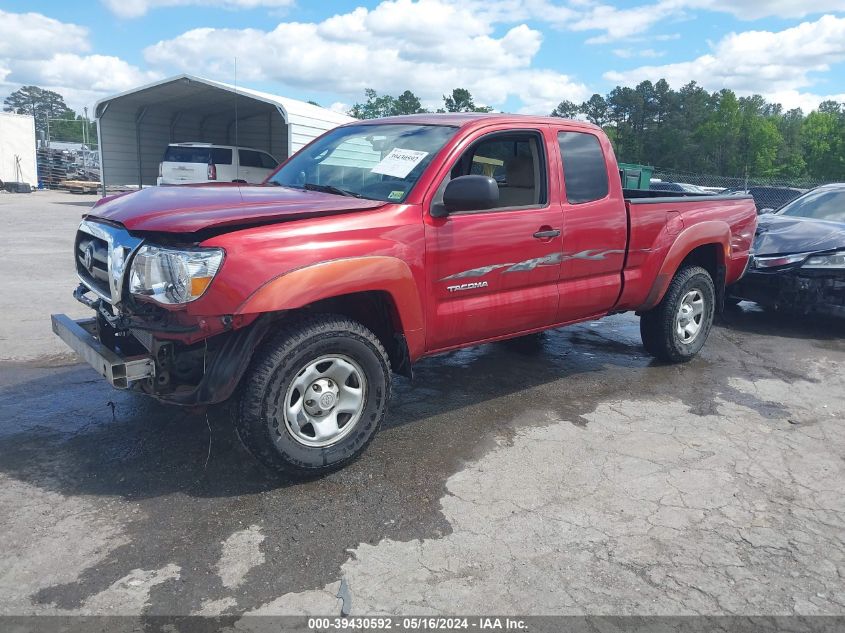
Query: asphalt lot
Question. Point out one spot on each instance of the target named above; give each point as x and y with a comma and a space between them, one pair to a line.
569, 474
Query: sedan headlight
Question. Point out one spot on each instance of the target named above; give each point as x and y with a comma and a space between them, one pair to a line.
779, 260
172, 276
830, 260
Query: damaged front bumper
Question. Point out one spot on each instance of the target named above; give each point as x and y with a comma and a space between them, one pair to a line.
204, 373
794, 290
120, 371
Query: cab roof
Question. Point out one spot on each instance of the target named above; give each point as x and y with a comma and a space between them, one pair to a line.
476, 119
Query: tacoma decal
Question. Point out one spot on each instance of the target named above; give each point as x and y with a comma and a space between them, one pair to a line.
592, 254
469, 286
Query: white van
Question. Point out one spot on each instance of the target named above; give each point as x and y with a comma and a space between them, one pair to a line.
185, 163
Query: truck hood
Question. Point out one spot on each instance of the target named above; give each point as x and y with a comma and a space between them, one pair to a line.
191, 209
783, 234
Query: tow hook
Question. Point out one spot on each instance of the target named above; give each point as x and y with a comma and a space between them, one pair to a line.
79, 295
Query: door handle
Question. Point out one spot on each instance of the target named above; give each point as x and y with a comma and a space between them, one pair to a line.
547, 234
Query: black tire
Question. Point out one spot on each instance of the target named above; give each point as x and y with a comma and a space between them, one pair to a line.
658, 326
258, 416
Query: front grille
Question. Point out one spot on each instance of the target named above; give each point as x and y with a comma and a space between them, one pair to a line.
92, 263
102, 252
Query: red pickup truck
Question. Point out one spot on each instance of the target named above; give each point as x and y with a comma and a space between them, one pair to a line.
379, 243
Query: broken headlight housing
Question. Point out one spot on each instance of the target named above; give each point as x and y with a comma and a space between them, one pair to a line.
826, 261
173, 276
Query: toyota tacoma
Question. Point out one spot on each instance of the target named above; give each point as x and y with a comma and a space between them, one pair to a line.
380, 243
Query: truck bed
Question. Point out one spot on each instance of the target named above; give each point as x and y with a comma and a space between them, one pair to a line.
656, 221
640, 196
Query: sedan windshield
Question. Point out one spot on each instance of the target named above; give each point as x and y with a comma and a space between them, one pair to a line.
820, 204
382, 162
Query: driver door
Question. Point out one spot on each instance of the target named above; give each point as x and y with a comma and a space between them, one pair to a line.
495, 272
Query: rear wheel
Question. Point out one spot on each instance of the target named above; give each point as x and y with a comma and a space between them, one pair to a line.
314, 397
677, 328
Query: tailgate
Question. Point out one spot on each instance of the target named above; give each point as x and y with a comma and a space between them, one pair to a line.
184, 172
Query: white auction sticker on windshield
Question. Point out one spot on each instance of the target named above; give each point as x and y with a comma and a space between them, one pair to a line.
399, 162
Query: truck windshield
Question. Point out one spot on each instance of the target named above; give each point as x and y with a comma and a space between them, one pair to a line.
382, 162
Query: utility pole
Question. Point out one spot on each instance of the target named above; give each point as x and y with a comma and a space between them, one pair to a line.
85, 143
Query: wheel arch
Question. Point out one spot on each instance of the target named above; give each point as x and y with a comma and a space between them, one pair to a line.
706, 244
379, 292
377, 311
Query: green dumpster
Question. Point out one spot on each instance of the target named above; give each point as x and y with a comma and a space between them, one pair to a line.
635, 176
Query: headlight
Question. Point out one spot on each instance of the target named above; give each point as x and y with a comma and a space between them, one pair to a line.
779, 260
831, 260
173, 276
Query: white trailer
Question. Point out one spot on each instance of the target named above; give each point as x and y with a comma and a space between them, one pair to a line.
135, 126
17, 149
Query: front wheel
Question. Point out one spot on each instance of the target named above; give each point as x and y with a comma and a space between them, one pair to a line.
314, 396
676, 329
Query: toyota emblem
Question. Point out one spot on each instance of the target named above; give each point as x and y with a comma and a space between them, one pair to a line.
88, 258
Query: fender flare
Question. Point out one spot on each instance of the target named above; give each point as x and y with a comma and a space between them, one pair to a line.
701, 234
324, 280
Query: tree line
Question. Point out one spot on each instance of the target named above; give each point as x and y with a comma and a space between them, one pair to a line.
717, 133
376, 106
52, 115
689, 129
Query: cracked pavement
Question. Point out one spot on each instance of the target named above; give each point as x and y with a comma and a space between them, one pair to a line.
563, 474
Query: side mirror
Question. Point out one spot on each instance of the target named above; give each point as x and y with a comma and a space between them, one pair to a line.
470, 193
765, 211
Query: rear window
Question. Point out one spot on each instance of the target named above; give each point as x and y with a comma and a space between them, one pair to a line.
206, 155
221, 156
250, 158
267, 161
584, 169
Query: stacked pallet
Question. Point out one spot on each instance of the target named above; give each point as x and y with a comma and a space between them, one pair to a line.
80, 186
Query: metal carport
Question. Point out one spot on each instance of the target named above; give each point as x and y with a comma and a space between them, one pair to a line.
134, 127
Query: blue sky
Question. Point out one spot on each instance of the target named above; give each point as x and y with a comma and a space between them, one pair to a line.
516, 55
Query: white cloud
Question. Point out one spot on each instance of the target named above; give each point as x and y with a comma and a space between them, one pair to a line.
620, 24
807, 101
754, 9
96, 73
340, 107
34, 36
41, 51
629, 23
576, 15
628, 53
138, 8
430, 47
774, 64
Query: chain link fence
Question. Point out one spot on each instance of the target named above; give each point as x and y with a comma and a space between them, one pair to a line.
768, 192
